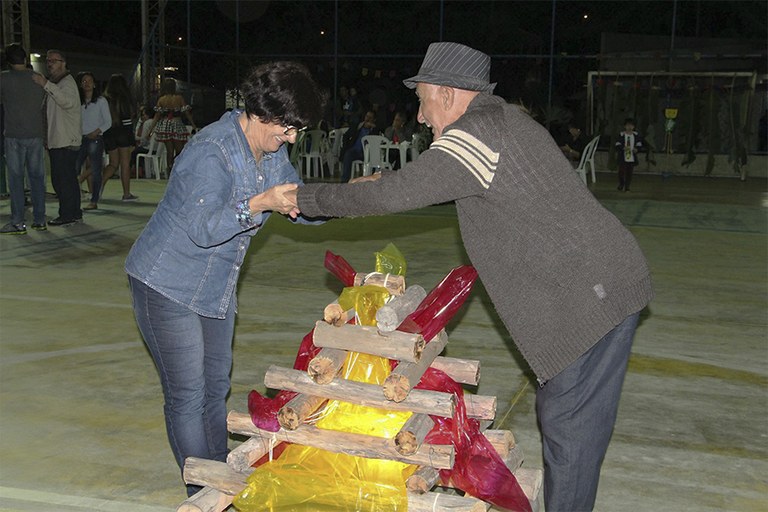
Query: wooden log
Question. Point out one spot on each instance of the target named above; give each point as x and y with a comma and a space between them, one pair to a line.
324, 367
514, 459
394, 284
242, 457
422, 480
391, 315
296, 411
502, 441
206, 499
419, 400
481, 407
398, 345
442, 502
425, 477
209, 473
530, 481
335, 315
463, 371
360, 445
412, 433
399, 383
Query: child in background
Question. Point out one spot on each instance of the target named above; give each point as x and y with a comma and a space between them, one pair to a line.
628, 144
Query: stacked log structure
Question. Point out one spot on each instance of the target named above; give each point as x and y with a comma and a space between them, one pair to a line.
336, 337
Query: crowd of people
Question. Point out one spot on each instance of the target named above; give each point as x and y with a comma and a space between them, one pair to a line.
78, 124
566, 278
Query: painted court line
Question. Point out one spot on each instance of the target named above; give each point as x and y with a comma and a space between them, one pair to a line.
50, 501
58, 300
89, 349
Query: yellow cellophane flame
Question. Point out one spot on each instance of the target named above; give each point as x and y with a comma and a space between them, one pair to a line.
390, 261
305, 479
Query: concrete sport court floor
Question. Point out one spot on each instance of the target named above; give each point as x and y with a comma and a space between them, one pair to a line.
81, 425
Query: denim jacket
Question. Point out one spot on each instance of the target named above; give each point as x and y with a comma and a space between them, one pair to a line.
193, 246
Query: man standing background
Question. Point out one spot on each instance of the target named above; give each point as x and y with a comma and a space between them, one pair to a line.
22, 106
64, 135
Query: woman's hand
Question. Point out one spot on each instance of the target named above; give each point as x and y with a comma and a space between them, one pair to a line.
281, 198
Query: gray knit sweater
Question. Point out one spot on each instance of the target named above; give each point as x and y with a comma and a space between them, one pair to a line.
560, 269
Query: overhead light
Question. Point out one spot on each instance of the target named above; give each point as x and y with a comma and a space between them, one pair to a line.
171, 68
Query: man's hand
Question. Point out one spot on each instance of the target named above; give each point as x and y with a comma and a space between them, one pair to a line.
39, 79
363, 179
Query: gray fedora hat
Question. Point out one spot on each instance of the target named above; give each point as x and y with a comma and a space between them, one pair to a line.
454, 65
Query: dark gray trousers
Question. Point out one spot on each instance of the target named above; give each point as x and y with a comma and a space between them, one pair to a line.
577, 410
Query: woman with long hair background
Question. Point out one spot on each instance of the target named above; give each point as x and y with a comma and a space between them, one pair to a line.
119, 141
95, 121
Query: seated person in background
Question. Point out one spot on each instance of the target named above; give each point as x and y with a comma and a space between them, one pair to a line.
141, 135
397, 133
352, 144
573, 144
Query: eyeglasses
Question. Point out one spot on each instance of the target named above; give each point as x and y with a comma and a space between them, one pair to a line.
292, 130
51, 61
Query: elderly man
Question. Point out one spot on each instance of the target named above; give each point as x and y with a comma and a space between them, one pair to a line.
567, 279
64, 135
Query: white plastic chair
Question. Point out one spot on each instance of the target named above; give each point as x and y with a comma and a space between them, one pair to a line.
155, 156
312, 151
295, 151
404, 147
374, 159
333, 157
418, 144
588, 158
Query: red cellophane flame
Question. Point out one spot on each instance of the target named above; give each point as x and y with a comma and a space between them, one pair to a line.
263, 410
439, 306
339, 267
478, 469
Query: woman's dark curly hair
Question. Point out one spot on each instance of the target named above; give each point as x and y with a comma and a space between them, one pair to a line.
283, 92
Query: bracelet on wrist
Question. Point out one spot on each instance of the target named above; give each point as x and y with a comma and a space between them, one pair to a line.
244, 214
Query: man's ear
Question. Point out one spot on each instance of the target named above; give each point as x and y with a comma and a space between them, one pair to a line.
447, 96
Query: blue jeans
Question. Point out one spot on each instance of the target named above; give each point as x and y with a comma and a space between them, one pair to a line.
577, 410
93, 149
193, 356
21, 155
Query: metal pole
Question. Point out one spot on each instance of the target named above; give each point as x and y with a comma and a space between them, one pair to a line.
551, 61
189, 42
442, 12
672, 35
335, 60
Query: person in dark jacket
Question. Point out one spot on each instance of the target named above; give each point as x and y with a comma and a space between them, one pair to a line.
352, 143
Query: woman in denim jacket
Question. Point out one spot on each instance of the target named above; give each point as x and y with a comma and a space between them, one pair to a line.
183, 268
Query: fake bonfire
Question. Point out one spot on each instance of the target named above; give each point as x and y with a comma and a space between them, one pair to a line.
371, 417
